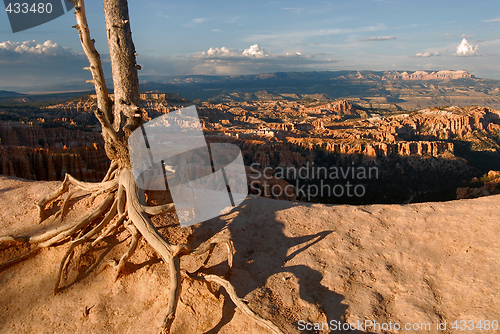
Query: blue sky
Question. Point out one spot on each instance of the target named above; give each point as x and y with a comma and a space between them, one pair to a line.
243, 37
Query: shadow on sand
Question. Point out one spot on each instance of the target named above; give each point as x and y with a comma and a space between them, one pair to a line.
262, 250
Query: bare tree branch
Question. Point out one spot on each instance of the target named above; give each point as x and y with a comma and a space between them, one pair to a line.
104, 112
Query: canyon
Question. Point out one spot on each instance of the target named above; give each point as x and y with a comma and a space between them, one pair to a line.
421, 155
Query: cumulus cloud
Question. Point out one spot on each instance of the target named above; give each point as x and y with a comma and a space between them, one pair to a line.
254, 59
30, 63
48, 48
466, 49
427, 54
254, 51
378, 39
218, 53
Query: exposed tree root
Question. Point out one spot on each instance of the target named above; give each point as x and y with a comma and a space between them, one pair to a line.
131, 249
123, 206
123, 203
9, 240
65, 261
236, 300
30, 253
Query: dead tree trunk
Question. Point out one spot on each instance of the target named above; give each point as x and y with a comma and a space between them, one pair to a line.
122, 203
120, 118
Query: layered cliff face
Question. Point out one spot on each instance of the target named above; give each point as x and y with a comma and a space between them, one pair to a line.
36, 153
425, 75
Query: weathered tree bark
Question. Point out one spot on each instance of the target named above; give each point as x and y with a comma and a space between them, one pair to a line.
122, 203
120, 118
126, 112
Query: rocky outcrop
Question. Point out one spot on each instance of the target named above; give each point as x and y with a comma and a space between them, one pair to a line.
489, 184
318, 124
342, 108
282, 126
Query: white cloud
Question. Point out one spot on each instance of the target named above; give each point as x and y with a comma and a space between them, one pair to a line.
30, 63
254, 59
218, 53
200, 20
492, 20
254, 51
48, 48
378, 39
466, 49
449, 35
467, 36
427, 54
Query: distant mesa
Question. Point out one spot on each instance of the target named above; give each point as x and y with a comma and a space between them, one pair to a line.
390, 90
380, 90
6, 93
425, 75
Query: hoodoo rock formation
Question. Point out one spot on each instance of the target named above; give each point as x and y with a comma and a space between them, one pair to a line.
407, 147
419, 148
36, 153
342, 108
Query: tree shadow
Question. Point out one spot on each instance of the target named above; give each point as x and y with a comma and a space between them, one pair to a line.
6, 189
262, 250
86, 264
